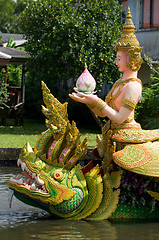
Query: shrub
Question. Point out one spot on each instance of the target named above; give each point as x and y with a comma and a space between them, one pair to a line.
64, 34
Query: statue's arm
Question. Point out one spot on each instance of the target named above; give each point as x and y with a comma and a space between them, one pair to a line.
101, 109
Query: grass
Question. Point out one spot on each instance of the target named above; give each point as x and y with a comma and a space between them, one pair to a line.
15, 136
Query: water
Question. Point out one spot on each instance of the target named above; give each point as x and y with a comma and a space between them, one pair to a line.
23, 222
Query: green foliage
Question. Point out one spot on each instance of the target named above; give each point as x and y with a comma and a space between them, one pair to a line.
62, 35
21, 5
7, 15
11, 43
14, 74
148, 109
4, 95
10, 11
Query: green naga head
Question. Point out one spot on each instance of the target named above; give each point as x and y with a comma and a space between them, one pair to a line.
54, 189
51, 178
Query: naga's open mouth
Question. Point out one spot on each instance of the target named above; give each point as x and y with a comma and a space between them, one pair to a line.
29, 179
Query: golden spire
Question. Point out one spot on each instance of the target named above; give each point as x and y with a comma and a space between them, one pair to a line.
128, 26
128, 38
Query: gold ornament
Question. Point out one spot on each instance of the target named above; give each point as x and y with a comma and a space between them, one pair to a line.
98, 104
129, 103
129, 44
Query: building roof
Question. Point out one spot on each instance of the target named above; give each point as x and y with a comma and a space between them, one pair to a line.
12, 55
19, 39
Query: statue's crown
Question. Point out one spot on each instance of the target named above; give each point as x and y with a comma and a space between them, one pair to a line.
128, 38
129, 44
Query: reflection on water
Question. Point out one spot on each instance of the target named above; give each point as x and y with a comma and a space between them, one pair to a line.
28, 223
61, 229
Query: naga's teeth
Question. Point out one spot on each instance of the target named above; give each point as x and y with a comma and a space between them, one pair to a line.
33, 175
28, 182
18, 162
33, 186
39, 181
20, 181
23, 166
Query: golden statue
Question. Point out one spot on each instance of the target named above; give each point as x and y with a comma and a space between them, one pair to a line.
124, 142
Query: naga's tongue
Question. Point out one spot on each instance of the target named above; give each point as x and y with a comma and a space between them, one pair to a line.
11, 193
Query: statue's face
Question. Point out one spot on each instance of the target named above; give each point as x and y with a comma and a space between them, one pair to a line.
122, 59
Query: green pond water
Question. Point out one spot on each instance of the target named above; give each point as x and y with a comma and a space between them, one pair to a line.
23, 222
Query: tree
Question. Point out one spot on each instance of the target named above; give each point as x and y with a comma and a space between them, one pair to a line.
19, 8
10, 11
64, 34
7, 16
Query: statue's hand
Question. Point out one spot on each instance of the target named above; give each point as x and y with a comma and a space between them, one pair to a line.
83, 98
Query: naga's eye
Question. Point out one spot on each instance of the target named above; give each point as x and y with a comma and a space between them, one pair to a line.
58, 175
